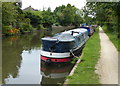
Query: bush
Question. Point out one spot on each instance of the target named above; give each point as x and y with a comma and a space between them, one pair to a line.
6, 28
13, 31
40, 27
30, 28
25, 28
57, 24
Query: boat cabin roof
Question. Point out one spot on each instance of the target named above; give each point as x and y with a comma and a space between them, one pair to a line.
77, 31
60, 37
66, 36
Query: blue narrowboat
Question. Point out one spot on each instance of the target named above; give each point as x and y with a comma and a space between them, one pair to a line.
59, 47
89, 29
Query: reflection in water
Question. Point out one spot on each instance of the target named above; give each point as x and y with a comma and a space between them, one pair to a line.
16, 54
11, 58
21, 59
54, 73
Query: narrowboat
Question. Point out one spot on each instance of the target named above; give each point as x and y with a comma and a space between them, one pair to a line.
61, 46
89, 29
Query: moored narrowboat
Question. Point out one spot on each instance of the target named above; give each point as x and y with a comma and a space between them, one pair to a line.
60, 47
90, 30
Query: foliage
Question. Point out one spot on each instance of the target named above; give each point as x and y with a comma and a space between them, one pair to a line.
85, 71
77, 20
48, 19
103, 14
14, 17
8, 30
9, 13
107, 14
68, 15
5, 29
13, 31
34, 16
56, 24
40, 27
25, 28
24, 20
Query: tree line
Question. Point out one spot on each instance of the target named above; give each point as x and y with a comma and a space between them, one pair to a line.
103, 13
15, 20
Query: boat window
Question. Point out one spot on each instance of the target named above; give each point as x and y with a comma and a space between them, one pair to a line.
76, 41
79, 39
83, 36
60, 47
46, 45
65, 46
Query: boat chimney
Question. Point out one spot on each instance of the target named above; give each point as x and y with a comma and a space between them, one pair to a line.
72, 32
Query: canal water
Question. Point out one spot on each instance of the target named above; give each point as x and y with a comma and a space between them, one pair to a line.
21, 62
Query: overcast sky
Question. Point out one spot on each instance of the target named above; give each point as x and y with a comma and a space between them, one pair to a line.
39, 4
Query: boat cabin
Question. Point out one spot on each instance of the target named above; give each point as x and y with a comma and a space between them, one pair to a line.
65, 41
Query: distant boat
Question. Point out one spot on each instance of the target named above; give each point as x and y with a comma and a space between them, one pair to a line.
90, 29
61, 46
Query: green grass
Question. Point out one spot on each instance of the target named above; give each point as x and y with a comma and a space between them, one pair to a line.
112, 36
85, 72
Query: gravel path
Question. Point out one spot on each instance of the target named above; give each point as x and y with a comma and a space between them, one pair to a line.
107, 66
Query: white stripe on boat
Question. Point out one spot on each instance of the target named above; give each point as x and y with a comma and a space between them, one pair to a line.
55, 55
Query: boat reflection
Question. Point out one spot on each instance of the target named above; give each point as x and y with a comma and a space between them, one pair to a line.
55, 73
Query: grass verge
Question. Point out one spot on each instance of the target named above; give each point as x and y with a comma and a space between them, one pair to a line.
85, 71
112, 36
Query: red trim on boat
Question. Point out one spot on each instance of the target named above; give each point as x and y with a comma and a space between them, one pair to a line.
56, 59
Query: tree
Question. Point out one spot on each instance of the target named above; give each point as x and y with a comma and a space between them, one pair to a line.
104, 14
9, 13
58, 12
78, 19
35, 17
48, 18
68, 15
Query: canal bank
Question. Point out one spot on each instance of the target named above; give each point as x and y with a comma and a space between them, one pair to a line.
85, 71
53, 30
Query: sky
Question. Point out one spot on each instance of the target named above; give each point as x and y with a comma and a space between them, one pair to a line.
39, 4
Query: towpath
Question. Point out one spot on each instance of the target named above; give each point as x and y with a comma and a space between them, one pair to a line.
107, 66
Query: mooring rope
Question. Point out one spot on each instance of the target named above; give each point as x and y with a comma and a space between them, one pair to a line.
73, 54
